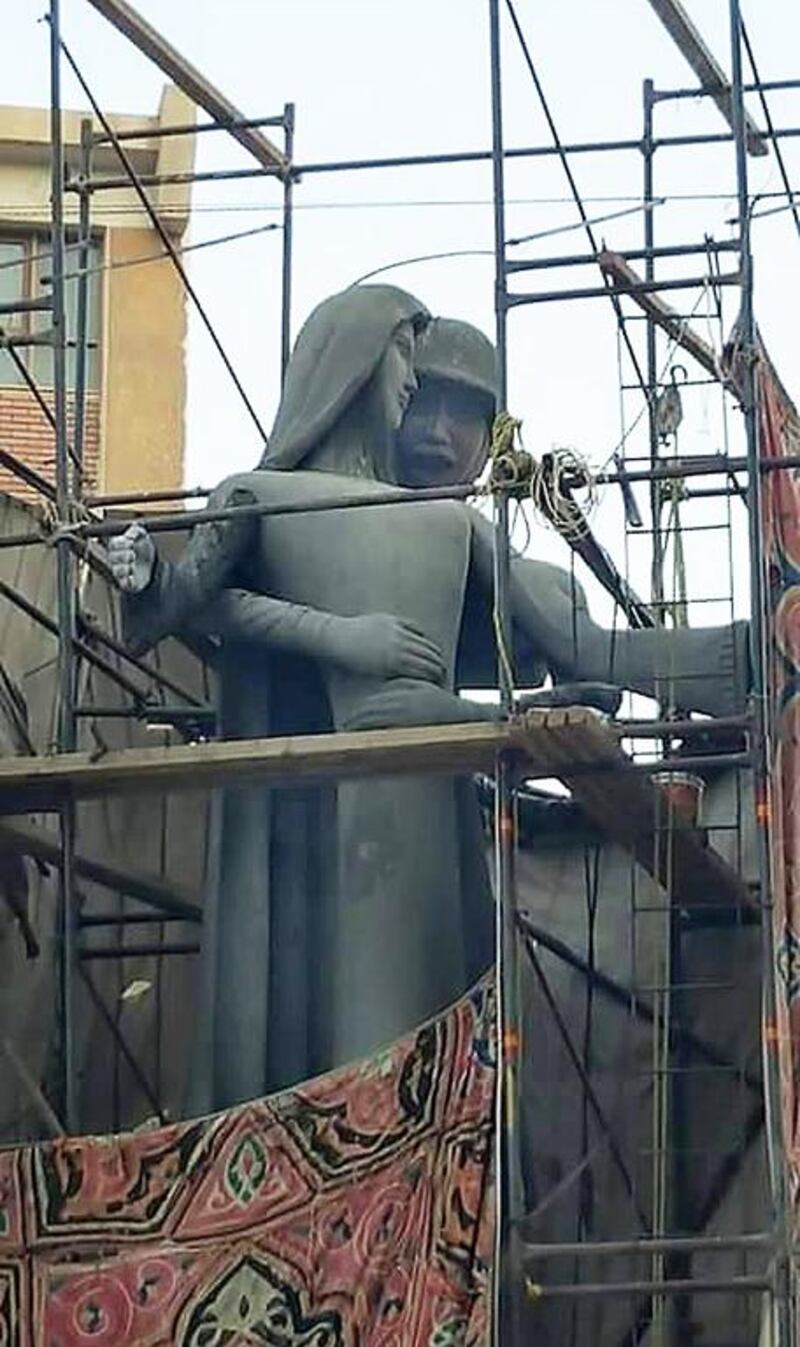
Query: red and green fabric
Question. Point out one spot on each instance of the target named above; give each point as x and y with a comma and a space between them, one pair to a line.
355, 1209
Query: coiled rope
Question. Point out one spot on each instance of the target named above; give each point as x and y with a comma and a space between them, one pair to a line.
550, 483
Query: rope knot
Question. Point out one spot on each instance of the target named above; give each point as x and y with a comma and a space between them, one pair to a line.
554, 479
512, 465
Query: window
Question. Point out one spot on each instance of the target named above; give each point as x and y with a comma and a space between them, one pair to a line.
25, 263
12, 262
13, 285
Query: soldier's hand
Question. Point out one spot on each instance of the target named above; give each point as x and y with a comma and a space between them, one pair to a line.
132, 557
380, 645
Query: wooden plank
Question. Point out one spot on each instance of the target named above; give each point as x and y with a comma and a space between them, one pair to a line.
446, 749
439, 748
631, 810
611, 264
706, 67
144, 36
573, 744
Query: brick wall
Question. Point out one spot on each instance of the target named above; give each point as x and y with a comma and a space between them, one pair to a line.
26, 433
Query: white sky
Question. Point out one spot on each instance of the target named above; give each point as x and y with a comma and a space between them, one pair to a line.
378, 77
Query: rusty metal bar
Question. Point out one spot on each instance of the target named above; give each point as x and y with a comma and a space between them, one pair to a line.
144, 36
646, 1245
677, 1287
116, 1032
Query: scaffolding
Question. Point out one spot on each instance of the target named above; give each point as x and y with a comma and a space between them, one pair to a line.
603, 767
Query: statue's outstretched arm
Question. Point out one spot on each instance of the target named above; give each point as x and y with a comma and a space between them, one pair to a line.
542, 598
699, 668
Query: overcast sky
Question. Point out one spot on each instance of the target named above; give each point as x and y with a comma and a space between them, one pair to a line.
382, 77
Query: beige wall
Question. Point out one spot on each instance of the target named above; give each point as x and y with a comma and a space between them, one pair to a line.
25, 165
143, 380
144, 374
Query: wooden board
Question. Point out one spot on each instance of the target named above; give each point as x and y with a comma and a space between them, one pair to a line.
632, 811
572, 744
187, 77
46, 781
611, 264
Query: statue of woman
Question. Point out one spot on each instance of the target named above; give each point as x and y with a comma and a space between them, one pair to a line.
354, 354
391, 941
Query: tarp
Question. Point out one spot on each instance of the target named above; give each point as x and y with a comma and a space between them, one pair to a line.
779, 436
355, 1209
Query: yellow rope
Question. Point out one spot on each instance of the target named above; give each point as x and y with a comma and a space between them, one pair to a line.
548, 483
504, 432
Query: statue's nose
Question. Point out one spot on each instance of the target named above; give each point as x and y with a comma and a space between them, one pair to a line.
439, 433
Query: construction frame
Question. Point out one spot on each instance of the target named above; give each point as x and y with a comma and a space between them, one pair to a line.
567, 745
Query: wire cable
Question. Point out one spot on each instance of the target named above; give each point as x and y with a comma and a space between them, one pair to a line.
46, 253
581, 224
165, 239
771, 129
510, 243
553, 481
11, 208
576, 194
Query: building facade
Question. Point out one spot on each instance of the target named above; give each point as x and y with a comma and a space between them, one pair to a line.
136, 376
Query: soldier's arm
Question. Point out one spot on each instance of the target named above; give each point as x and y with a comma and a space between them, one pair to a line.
377, 645
161, 597
546, 601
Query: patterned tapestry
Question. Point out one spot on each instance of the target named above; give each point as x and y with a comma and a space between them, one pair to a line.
779, 434
354, 1210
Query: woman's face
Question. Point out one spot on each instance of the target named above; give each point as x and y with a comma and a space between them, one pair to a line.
397, 382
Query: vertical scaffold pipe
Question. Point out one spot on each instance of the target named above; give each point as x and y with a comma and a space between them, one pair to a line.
648, 152
288, 216
65, 585
784, 1327
82, 305
509, 1206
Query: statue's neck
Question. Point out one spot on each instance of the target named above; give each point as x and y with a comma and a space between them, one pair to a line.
356, 446
345, 453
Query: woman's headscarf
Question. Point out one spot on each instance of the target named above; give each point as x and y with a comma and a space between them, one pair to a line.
338, 350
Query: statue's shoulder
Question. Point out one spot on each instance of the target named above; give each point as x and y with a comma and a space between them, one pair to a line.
276, 486
257, 485
252, 481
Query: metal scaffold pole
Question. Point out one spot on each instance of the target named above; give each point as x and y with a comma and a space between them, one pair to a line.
65, 586
509, 1206
82, 305
648, 151
288, 220
784, 1327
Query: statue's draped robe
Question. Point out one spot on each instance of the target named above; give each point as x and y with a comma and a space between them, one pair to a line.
335, 920
262, 1009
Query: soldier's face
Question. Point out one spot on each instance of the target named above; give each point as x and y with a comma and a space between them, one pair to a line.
444, 438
